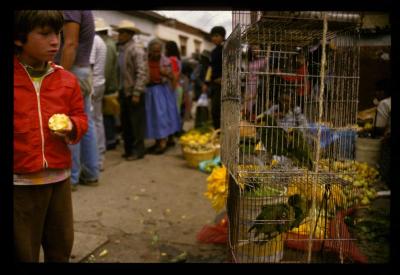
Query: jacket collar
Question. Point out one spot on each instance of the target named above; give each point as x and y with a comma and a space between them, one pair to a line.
126, 45
18, 65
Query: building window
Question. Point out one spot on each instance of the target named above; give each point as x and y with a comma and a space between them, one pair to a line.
183, 43
197, 46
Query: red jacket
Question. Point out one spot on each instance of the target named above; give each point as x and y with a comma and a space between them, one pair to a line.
301, 78
35, 148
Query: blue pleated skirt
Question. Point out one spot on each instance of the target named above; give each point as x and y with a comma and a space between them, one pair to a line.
162, 116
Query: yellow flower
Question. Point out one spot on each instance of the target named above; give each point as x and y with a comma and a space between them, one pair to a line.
216, 188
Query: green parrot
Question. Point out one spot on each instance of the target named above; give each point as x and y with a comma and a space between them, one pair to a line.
299, 205
278, 142
270, 220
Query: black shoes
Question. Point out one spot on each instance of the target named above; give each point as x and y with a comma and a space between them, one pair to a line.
134, 157
152, 149
170, 143
89, 182
111, 146
160, 150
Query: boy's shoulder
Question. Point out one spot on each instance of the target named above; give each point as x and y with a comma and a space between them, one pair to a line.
66, 75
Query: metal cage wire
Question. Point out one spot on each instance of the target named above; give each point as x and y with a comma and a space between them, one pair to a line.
289, 104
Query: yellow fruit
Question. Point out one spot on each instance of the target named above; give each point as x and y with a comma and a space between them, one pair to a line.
59, 122
365, 201
216, 188
367, 126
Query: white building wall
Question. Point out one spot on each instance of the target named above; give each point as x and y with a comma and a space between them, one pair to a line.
168, 33
155, 30
114, 17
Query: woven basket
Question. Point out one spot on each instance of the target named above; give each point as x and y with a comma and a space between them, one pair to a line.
216, 142
247, 129
193, 159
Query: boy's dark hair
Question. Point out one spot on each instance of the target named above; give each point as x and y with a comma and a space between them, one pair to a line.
218, 30
171, 49
27, 20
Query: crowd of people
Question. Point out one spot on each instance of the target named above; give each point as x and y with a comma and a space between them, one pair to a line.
66, 62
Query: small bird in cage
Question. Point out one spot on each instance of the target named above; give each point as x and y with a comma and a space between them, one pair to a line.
286, 216
279, 135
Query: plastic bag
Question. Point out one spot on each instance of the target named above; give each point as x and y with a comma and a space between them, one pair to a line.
202, 101
207, 166
216, 234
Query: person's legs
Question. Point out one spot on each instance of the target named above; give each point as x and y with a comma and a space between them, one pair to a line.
76, 162
216, 106
126, 123
97, 100
30, 205
58, 232
89, 153
110, 131
85, 156
138, 124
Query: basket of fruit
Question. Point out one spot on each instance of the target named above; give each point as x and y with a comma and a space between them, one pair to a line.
194, 154
215, 140
195, 138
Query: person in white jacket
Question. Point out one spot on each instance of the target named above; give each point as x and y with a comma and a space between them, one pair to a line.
98, 62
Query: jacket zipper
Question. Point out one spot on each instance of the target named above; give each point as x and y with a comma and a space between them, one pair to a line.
45, 164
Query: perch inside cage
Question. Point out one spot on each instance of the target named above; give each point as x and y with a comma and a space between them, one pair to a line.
289, 104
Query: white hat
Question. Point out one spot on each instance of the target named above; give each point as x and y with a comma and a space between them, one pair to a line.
100, 24
126, 25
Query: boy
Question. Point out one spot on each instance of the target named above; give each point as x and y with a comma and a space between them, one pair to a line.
42, 159
218, 38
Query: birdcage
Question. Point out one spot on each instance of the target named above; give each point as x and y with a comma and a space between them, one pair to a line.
289, 105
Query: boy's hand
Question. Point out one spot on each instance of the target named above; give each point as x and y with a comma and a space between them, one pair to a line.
67, 133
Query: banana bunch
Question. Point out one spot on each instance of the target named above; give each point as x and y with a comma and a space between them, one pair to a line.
195, 137
361, 177
196, 141
306, 227
303, 185
217, 189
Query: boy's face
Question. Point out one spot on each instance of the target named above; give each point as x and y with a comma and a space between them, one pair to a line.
217, 39
41, 45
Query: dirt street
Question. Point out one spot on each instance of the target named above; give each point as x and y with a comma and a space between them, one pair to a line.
148, 211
